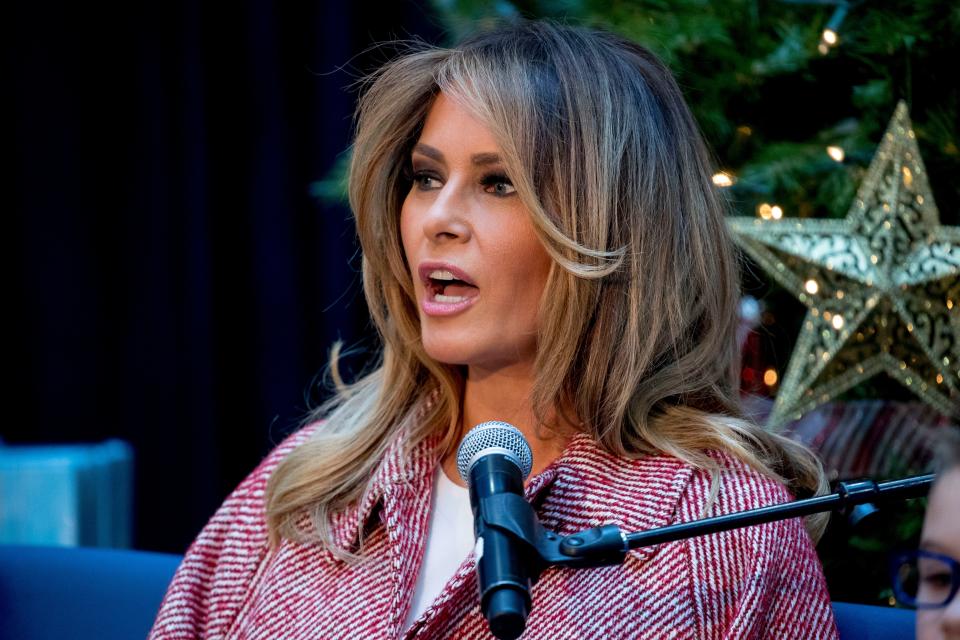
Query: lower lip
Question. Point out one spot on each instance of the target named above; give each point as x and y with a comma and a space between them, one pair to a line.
434, 308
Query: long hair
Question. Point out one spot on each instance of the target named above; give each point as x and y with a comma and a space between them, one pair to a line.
640, 309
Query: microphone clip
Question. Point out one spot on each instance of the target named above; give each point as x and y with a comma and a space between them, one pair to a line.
515, 517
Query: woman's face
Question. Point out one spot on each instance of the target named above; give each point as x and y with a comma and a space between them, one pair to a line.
478, 268
941, 534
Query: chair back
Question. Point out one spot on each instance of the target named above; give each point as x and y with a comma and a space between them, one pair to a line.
80, 593
867, 622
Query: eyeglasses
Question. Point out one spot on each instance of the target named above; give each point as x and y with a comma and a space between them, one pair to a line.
924, 579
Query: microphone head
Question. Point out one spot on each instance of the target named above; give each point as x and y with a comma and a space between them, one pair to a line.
494, 437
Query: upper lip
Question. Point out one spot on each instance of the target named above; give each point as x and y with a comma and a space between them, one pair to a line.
426, 268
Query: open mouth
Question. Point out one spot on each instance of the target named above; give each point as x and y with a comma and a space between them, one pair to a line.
445, 287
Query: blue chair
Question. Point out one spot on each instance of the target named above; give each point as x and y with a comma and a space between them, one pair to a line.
866, 622
80, 593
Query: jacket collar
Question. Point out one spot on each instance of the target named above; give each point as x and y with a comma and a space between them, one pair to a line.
584, 487
399, 468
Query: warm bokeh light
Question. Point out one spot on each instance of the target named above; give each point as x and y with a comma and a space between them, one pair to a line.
837, 322
770, 377
776, 212
830, 37
907, 176
835, 152
811, 286
764, 211
723, 179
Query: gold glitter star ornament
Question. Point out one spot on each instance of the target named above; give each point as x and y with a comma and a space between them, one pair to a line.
881, 287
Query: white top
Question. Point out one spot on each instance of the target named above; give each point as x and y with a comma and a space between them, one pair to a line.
449, 541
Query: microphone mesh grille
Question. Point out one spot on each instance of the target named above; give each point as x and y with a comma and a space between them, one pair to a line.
494, 435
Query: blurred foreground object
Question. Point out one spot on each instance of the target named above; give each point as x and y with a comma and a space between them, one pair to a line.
67, 495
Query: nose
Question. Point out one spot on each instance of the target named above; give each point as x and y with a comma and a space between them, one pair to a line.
446, 219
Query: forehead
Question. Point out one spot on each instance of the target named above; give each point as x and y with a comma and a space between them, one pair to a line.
941, 525
449, 122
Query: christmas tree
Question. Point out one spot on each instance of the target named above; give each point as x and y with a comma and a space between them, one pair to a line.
792, 96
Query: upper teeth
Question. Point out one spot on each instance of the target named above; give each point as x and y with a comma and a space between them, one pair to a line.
441, 274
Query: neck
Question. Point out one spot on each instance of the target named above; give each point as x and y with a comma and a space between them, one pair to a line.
505, 395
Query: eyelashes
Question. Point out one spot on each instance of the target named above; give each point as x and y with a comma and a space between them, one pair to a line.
418, 178
499, 181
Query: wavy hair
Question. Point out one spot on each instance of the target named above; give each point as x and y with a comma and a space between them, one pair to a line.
640, 309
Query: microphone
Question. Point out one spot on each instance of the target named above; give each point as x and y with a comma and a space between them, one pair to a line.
494, 459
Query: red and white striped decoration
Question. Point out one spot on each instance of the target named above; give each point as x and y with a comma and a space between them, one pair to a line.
866, 438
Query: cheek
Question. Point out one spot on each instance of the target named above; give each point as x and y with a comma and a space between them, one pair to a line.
405, 223
928, 624
527, 264
408, 233
536, 262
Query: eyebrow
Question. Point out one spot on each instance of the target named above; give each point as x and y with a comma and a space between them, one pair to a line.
478, 159
932, 545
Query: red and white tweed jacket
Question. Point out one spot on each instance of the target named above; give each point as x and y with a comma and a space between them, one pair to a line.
760, 582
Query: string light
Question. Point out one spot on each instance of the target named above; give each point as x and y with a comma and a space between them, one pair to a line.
723, 179
837, 322
811, 286
830, 36
770, 377
835, 152
776, 212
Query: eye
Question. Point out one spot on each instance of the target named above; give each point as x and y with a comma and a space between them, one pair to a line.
424, 181
498, 184
940, 579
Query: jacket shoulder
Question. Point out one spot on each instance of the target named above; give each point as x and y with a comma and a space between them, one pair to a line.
224, 558
759, 581
736, 486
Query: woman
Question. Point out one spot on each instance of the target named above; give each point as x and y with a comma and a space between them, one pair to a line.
542, 245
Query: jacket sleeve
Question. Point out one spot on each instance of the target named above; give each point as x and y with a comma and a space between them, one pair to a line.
213, 580
763, 581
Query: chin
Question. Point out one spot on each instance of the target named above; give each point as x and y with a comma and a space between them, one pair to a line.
447, 351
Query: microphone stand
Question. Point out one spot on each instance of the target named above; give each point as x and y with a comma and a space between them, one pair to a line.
608, 545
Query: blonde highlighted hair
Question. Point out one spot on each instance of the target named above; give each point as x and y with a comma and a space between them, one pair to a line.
640, 309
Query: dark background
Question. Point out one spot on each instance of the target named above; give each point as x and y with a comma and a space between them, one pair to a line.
174, 282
